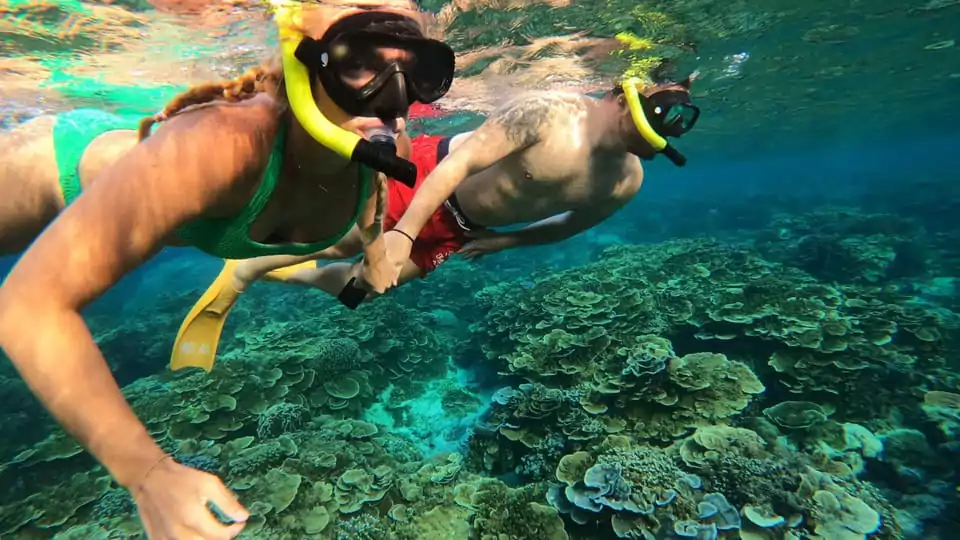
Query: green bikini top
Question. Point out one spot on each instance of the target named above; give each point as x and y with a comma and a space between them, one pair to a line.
229, 238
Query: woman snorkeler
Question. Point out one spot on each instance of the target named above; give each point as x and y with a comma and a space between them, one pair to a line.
234, 169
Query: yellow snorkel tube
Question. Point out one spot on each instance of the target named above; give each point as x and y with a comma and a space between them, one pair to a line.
659, 143
383, 158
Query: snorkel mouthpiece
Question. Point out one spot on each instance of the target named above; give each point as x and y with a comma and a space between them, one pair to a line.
381, 136
381, 147
650, 135
377, 156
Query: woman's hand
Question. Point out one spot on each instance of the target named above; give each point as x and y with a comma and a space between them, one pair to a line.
486, 242
172, 501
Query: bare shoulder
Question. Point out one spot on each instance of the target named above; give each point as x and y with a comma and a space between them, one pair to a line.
226, 124
528, 116
632, 173
632, 179
222, 143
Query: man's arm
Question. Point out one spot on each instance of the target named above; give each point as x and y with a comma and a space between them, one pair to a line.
510, 129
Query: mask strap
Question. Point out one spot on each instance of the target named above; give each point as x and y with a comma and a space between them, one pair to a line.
349, 145
643, 126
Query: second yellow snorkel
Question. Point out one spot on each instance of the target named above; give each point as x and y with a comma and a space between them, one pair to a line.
287, 14
630, 91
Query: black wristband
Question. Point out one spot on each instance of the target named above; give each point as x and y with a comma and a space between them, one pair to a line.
403, 233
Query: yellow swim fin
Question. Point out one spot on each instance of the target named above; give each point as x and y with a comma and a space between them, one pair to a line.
199, 335
284, 274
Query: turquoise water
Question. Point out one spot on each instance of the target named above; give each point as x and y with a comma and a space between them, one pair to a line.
760, 345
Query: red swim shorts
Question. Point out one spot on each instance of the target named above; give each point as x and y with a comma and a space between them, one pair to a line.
442, 236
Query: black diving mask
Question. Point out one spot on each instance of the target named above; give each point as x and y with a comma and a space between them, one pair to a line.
670, 112
667, 113
358, 69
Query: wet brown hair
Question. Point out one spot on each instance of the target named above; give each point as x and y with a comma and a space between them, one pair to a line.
266, 78
616, 92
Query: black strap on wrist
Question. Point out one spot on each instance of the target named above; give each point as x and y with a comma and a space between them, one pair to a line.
403, 233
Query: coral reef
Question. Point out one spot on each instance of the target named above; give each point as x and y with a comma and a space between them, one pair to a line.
647, 492
831, 342
646, 392
845, 245
687, 389
283, 433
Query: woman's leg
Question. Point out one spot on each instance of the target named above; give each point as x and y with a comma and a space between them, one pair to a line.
29, 192
32, 186
333, 277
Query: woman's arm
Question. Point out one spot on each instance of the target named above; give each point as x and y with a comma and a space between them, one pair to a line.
376, 268
185, 170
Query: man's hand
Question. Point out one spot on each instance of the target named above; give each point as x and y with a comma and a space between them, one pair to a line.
399, 246
486, 242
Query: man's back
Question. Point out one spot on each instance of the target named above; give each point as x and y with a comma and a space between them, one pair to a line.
565, 169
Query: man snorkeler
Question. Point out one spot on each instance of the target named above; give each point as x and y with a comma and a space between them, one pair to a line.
565, 162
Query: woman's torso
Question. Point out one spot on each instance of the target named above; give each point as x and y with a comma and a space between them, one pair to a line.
303, 207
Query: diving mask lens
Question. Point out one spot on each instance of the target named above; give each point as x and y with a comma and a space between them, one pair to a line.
378, 64
366, 58
671, 112
432, 70
680, 119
